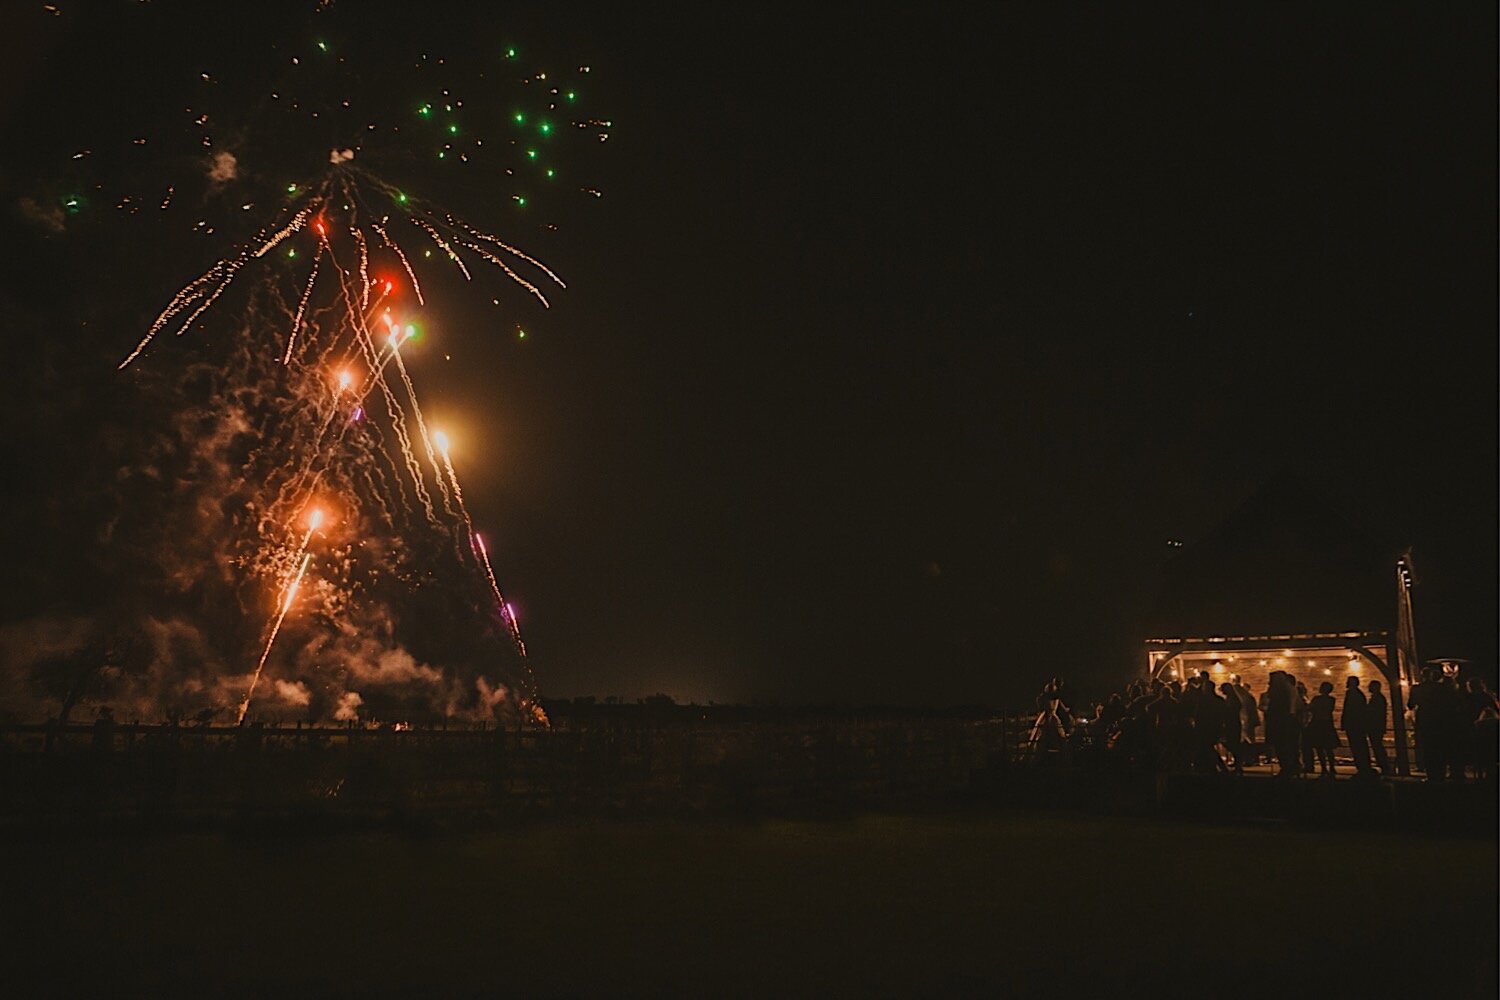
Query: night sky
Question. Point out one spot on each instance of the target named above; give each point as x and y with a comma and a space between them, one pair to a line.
899, 344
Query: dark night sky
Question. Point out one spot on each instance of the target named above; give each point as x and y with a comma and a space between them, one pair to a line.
900, 343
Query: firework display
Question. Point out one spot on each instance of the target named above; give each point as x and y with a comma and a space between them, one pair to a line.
347, 518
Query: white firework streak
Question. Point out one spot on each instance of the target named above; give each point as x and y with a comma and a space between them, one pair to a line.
312, 279
416, 286
443, 244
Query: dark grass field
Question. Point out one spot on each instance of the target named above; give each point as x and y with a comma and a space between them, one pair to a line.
924, 906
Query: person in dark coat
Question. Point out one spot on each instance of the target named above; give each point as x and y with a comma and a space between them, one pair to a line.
1376, 715
1424, 723
1321, 735
1478, 703
1355, 725
1304, 719
1281, 723
1439, 726
1234, 726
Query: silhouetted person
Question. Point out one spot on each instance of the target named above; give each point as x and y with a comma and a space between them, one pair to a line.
1208, 726
1422, 722
1376, 716
1476, 701
1233, 726
1438, 716
1487, 741
1249, 718
1281, 723
1355, 724
1304, 720
1321, 735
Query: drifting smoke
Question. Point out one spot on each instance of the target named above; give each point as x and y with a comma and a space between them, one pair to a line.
194, 559
223, 168
348, 707
47, 217
293, 693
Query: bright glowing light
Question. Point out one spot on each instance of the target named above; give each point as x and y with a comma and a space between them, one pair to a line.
315, 518
345, 378
441, 440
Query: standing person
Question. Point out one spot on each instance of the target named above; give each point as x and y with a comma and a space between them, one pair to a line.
1355, 725
1208, 727
1476, 700
1427, 737
1281, 723
1250, 717
1321, 735
1304, 719
1234, 727
1375, 723
1440, 721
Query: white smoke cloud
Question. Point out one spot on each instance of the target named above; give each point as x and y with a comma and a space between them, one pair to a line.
293, 693
223, 168
348, 707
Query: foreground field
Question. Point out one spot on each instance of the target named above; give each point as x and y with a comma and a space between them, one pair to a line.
878, 905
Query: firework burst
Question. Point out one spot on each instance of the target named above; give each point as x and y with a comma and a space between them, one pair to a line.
319, 378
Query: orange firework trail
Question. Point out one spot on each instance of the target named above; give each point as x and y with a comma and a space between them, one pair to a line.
286, 606
458, 493
416, 409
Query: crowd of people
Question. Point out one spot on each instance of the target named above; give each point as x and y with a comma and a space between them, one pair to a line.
1221, 727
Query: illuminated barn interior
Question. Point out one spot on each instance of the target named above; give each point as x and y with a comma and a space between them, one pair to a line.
1288, 583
